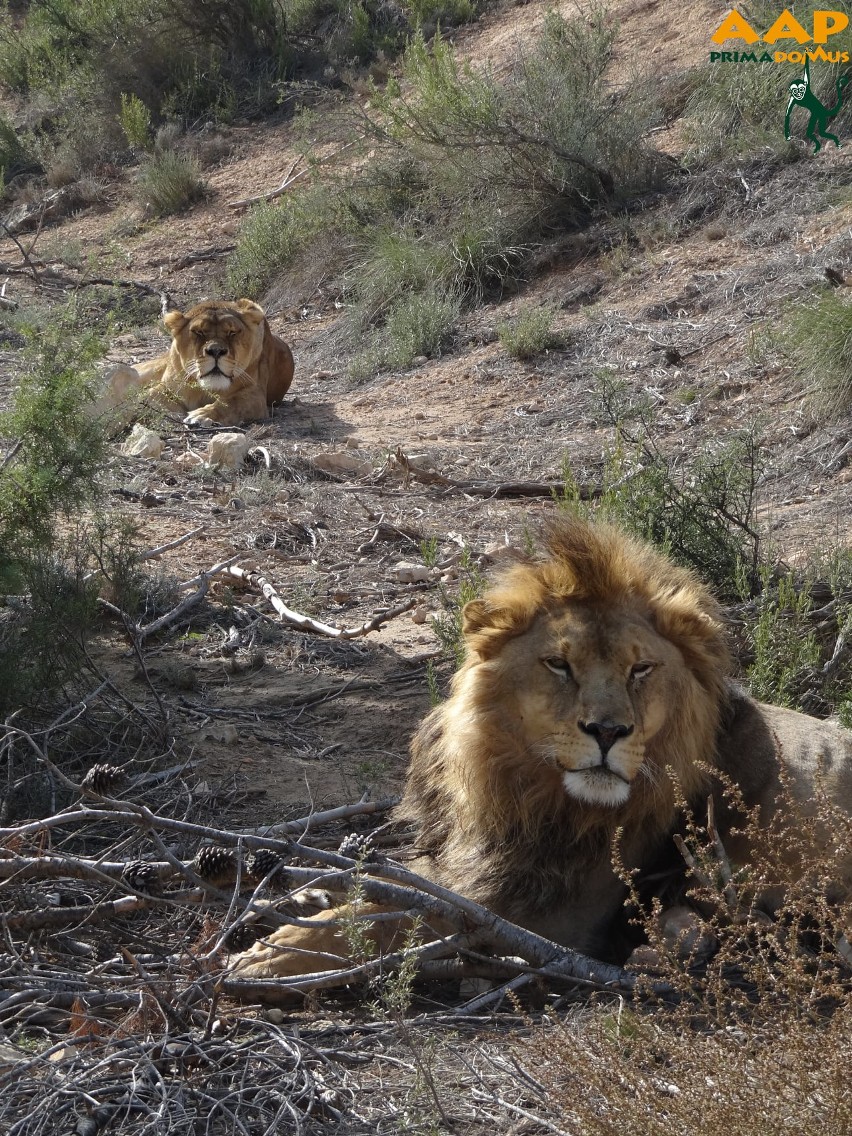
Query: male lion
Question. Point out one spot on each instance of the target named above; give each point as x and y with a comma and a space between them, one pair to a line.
224, 366
590, 675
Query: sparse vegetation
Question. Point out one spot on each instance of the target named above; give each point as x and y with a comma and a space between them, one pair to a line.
819, 341
169, 182
448, 625
530, 333
699, 508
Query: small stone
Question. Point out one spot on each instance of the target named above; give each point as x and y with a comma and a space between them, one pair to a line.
143, 443
227, 450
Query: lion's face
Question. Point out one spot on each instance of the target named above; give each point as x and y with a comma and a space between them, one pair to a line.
216, 342
591, 689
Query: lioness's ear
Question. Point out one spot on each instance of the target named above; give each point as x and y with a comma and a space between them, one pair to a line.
252, 311
175, 322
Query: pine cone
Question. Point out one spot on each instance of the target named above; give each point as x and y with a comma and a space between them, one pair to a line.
104, 780
216, 865
357, 846
241, 937
262, 862
142, 876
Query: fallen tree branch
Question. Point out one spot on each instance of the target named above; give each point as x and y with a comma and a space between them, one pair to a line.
384, 882
289, 178
479, 488
305, 622
153, 553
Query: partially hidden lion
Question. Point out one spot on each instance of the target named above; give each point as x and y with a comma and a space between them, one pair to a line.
224, 367
591, 676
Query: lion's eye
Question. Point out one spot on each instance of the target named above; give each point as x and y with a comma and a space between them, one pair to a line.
558, 666
641, 670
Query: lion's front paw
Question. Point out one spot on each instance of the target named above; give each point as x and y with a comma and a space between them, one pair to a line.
315, 945
204, 416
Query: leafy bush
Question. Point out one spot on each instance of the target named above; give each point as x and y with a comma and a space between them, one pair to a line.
539, 148
13, 157
448, 625
530, 333
701, 512
820, 343
135, 119
169, 182
192, 58
420, 324
275, 233
50, 474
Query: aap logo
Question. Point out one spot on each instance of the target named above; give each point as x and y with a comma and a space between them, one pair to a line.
808, 47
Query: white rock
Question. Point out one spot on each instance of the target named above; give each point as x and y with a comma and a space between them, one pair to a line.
408, 573
143, 443
342, 464
227, 450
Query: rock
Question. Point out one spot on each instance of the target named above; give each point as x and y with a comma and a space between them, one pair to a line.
189, 460
143, 443
227, 450
341, 464
407, 573
420, 614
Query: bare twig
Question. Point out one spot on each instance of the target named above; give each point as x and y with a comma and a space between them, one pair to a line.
305, 622
152, 553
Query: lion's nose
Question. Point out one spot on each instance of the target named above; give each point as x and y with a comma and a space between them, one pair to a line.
606, 734
215, 349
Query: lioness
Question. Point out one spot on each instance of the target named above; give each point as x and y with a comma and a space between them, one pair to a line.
224, 366
590, 675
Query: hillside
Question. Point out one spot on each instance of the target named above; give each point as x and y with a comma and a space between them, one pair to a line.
673, 334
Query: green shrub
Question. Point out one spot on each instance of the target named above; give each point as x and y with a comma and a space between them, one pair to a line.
275, 233
169, 182
819, 341
701, 512
447, 13
448, 625
420, 324
57, 453
135, 119
782, 639
13, 156
530, 333
539, 148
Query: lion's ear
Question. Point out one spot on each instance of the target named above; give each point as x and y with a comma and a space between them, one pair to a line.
254, 312
486, 626
175, 322
475, 617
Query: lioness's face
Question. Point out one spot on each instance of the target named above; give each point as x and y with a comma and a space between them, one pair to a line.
590, 687
217, 341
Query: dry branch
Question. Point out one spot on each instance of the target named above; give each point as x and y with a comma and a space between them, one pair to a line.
289, 178
382, 881
478, 488
305, 622
152, 553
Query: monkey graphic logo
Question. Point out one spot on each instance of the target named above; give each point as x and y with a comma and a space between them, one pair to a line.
802, 95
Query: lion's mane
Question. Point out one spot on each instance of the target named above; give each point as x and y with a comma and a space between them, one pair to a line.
494, 822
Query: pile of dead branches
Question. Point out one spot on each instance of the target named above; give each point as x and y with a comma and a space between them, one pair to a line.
114, 965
